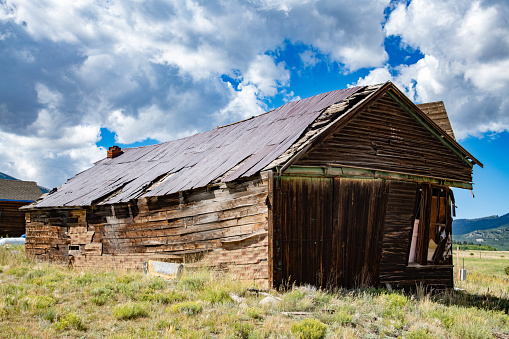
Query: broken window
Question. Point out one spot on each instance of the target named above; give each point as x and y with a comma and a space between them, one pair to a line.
431, 242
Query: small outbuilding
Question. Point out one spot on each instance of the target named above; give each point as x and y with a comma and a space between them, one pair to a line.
13, 195
346, 188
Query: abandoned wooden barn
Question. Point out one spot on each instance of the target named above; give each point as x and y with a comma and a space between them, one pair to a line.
13, 195
344, 188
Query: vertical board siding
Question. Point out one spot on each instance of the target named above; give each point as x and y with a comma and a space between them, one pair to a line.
306, 229
358, 229
330, 230
12, 220
386, 137
225, 227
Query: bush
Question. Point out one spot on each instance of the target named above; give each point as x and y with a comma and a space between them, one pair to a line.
162, 298
309, 329
49, 314
130, 311
187, 307
194, 283
43, 301
506, 270
17, 271
254, 313
70, 321
343, 317
216, 297
101, 295
419, 334
242, 329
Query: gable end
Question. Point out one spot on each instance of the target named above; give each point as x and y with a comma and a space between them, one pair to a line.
389, 136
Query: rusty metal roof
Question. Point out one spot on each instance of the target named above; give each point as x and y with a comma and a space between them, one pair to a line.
275, 138
225, 154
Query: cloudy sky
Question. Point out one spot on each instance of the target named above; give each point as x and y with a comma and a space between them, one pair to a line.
78, 76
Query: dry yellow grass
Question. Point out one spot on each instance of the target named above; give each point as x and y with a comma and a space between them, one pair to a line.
48, 301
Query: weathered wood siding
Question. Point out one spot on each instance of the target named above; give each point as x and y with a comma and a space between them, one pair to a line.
359, 213
399, 221
328, 231
224, 227
306, 230
12, 220
385, 137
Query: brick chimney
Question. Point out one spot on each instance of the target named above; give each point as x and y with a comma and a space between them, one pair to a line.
113, 151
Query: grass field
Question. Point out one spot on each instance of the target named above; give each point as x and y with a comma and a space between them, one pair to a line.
48, 301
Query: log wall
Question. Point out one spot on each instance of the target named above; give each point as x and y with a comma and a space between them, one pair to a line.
12, 220
224, 227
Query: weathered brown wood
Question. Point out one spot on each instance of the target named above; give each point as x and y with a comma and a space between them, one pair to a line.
424, 224
385, 137
12, 220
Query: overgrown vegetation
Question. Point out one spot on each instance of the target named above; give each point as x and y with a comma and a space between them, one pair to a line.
41, 300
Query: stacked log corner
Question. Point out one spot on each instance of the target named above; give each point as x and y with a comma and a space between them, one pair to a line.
222, 227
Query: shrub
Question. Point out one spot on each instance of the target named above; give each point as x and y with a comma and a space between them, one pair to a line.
101, 295
162, 298
242, 329
43, 301
70, 321
187, 307
506, 270
343, 317
296, 301
130, 311
157, 284
309, 329
419, 334
164, 324
17, 271
216, 297
472, 331
446, 319
49, 314
254, 312
35, 274
194, 283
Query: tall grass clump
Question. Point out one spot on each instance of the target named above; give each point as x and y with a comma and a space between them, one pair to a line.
309, 329
187, 307
70, 321
130, 311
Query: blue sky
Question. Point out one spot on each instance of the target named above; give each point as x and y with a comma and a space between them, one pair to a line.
79, 76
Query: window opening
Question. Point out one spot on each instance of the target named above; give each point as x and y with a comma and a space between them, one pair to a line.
431, 242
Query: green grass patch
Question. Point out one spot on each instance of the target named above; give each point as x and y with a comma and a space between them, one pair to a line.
130, 311
70, 321
187, 307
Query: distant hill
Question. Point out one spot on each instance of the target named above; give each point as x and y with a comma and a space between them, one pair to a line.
464, 226
5, 176
492, 231
8, 177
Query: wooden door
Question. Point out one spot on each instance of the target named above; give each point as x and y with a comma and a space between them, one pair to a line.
330, 230
306, 230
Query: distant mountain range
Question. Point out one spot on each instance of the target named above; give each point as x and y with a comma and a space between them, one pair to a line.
5, 176
493, 231
8, 177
